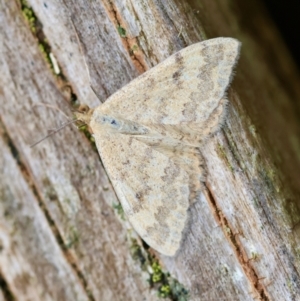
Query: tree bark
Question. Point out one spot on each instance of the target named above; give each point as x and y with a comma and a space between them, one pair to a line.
62, 232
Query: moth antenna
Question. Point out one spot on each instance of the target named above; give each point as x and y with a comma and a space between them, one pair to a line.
51, 107
54, 131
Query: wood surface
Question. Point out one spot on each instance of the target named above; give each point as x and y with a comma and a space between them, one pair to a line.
62, 233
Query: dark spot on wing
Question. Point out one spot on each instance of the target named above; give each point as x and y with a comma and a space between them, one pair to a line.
137, 207
179, 58
139, 196
157, 229
176, 75
189, 112
177, 78
171, 172
162, 214
150, 82
149, 152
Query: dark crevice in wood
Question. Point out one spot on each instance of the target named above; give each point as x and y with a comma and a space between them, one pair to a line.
36, 29
127, 42
59, 239
253, 278
8, 295
142, 35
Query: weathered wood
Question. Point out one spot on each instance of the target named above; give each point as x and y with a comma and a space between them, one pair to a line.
60, 237
58, 173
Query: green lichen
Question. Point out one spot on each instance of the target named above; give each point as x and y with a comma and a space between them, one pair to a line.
73, 238
121, 31
37, 31
289, 285
164, 291
253, 131
157, 273
50, 192
159, 280
167, 286
138, 254
134, 48
267, 177
29, 15
233, 148
85, 129
119, 209
224, 270
222, 154
255, 202
43, 50
254, 256
227, 230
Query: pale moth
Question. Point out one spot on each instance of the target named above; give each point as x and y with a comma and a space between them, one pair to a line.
149, 135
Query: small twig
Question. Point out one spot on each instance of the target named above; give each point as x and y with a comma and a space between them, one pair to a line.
51, 107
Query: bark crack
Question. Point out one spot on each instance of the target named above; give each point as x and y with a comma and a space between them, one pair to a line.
129, 43
58, 237
245, 263
5, 289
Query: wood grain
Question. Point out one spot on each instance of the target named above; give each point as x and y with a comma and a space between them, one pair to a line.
61, 238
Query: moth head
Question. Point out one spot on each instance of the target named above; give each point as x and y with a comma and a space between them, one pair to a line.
84, 114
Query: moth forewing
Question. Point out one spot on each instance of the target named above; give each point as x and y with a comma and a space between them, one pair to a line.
148, 135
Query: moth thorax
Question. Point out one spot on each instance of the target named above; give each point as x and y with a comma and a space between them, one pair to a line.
120, 125
84, 114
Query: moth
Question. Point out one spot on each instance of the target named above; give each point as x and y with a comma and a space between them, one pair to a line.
149, 135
